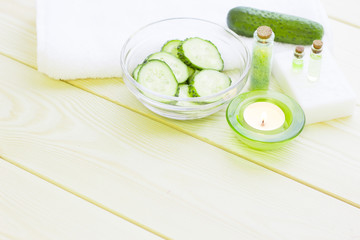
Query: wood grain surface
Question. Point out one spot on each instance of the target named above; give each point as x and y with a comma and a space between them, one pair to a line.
31, 208
312, 159
92, 148
177, 179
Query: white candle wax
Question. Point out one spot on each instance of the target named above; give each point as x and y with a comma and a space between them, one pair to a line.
264, 116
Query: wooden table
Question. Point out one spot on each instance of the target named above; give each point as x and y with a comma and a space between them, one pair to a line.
85, 160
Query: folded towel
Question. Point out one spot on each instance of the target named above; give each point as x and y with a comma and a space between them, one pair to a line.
83, 38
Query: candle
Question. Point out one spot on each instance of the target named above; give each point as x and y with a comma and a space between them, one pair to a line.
264, 116
265, 120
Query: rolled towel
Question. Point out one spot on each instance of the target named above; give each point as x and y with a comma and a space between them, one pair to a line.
83, 38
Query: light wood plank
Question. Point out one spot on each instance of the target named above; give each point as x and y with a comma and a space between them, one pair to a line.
347, 52
151, 173
17, 18
314, 158
31, 208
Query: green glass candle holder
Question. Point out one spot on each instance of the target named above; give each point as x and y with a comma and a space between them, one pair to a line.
256, 135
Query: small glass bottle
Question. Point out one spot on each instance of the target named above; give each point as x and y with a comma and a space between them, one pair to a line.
298, 61
315, 61
261, 58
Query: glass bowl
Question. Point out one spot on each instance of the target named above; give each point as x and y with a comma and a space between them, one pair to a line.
260, 139
151, 38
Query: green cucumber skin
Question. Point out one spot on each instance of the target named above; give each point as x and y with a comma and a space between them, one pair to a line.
192, 90
182, 56
136, 71
165, 57
169, 46
288, 29
150, 62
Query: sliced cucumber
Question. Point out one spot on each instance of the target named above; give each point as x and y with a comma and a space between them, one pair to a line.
191, 72
184, 91
208, 82
198, 62
136, 71
200, 54
179, 68
171, 47
157, 76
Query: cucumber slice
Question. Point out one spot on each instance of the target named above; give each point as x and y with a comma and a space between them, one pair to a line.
171, 47
179, 68
157, 76
191, 72
136, 71
200, 54
184, 91
208, 82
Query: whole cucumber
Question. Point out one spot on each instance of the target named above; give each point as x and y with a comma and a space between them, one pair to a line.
287, 28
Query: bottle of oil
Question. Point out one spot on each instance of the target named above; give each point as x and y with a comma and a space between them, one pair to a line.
261, 58
298, 61
315, 61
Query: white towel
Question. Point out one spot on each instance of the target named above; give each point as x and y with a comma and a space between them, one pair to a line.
328, 98
83, 38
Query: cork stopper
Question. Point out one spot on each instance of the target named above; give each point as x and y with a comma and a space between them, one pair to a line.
317, 44
299, 52
264, 32
299, 49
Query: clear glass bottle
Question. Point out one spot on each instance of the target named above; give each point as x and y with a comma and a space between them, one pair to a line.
315, 61
298, 61
261, 58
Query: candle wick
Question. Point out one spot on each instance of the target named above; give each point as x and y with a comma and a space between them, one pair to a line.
263, 123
